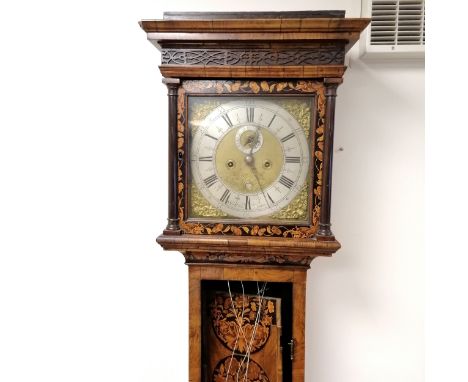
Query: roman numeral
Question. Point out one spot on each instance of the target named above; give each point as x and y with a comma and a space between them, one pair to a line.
227, 120
212, 179
206, 159
286, 182
272, 120
250, 114
293, 159
287, 137
210, 136
225, 197
247, 202
269, 197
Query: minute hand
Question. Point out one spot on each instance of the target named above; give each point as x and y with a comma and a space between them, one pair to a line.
254, 171
250, 161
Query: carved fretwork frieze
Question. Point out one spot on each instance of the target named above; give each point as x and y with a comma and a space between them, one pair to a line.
259, 259
325, 55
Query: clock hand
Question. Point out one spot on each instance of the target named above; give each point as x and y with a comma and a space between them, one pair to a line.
249, 159
254, 143
254, 171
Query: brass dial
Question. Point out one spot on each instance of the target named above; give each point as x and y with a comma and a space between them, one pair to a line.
249, 157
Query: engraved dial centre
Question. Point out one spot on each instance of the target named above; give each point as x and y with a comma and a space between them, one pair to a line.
248, 176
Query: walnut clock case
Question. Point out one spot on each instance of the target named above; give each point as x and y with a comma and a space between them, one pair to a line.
251, 121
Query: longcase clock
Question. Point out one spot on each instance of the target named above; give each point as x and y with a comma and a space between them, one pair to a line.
250, 149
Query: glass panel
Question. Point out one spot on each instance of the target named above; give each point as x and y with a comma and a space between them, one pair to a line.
246, 327
250, 158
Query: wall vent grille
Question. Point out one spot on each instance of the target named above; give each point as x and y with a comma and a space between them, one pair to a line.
397, 22
397, 29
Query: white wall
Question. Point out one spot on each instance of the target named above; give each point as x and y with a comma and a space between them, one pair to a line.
366, 304
87, 295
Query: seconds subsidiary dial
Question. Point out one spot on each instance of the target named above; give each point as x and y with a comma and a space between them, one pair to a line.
249, 158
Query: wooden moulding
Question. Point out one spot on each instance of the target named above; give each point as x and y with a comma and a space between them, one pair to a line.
252, 71
293, 25
253, 15
284, 38
256, 36
208, 30
235, 250
267, 260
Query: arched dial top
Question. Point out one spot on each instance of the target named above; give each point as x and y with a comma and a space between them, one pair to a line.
249, 158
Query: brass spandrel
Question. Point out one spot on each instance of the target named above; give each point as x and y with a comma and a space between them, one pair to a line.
200, 207
297, 209
301, 112
199, 110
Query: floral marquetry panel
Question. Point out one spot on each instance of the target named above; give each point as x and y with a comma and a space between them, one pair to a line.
257, 315
243, 340
229, 368
250, 157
